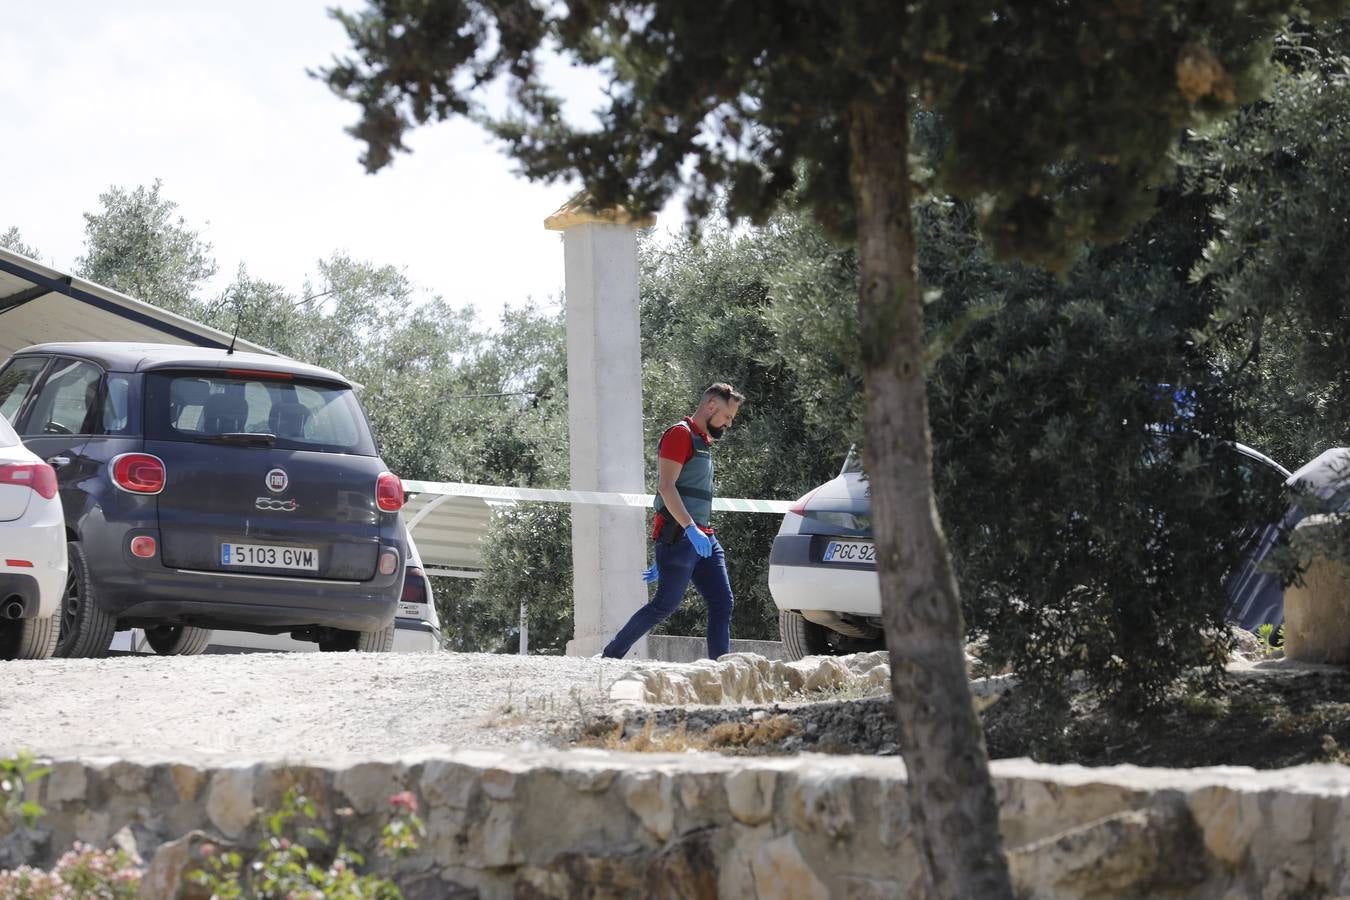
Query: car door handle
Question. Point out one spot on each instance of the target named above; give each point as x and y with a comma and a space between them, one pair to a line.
57, 462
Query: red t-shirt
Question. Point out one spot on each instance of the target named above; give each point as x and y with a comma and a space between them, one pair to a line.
678, 444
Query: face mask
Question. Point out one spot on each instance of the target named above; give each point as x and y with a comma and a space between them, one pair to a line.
714, 432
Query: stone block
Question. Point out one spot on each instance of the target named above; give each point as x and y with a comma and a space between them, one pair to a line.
750, 795
368, 786
823, 803
229, 801
1317, 612
1138, 853
187, 781
168, 875
1228, 821
687, 870
781, 873
648, 796
65, 783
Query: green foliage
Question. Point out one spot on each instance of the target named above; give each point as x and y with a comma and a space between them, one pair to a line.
1277, 178
1272, 639
82, 872
1059, 118
527, 561
17, 773
10, 239
297, 861
139, 245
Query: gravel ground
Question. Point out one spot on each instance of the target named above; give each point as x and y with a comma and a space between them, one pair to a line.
302, 706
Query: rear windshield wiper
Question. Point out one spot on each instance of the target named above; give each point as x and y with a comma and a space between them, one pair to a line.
259, 438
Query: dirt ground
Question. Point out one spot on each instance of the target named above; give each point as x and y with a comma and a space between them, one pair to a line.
1266, 716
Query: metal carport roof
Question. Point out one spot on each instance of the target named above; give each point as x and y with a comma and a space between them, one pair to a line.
40, 304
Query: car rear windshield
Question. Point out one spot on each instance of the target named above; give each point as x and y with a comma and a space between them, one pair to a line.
258, 410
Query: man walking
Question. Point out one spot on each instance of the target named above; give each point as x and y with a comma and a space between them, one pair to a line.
686, 547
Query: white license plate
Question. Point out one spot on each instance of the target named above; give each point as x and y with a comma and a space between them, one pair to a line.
850, 552
266, 556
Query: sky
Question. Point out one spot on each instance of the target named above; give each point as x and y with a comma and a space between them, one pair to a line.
213, 100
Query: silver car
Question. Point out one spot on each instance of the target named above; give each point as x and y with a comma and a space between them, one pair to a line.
823, 571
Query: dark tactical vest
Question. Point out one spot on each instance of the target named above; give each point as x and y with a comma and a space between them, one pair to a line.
695, 484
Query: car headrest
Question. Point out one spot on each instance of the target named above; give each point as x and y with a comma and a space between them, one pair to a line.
288, 419
224, 413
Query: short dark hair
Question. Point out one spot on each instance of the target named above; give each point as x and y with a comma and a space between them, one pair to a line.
723, 391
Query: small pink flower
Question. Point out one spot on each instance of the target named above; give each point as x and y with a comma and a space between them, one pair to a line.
208, 850
404, 800
339, 865
284, 844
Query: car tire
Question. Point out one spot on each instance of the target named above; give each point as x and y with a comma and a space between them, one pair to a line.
86, 630
800, 637
177, 640
30, 638
381, 641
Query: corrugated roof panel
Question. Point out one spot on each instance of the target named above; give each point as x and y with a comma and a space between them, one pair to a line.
449, 530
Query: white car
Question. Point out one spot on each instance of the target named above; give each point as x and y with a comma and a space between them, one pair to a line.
32, 551
823, 571
417, 627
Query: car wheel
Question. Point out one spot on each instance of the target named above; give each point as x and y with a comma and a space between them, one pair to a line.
29, 638
800, 637
86, 630
177, 640
381, 641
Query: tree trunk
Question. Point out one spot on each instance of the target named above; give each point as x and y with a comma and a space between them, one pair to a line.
951, 796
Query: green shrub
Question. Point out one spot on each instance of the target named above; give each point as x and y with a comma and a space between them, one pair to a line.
16, 773
295, 861
84, 873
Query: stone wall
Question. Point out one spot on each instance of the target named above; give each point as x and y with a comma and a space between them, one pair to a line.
590, 823
680, 648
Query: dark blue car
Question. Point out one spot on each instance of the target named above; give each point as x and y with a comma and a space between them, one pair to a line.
204, 489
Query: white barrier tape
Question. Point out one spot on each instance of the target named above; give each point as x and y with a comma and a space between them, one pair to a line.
590, 498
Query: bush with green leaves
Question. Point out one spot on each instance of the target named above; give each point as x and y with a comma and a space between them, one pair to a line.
296, 861
82, 873
17, 773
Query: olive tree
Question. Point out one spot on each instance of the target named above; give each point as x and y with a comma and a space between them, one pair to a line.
1059, 120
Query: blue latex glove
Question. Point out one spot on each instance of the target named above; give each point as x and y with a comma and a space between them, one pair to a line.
702, 544
651, 574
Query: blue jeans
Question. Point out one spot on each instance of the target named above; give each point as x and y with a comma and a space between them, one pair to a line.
677, 564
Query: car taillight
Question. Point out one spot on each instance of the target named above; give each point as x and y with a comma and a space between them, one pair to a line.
139, 473
414, 586
38, 476
389, 492
388, 562
143, 547
800, 506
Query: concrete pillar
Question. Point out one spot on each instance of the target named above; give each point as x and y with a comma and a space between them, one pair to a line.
1317, 612
604, 400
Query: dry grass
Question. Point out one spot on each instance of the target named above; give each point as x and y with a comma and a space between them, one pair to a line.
728, 737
